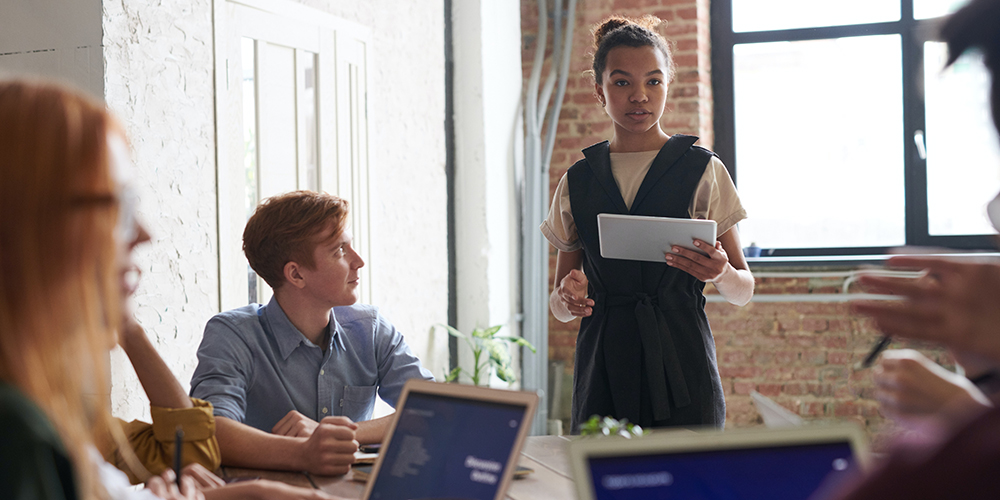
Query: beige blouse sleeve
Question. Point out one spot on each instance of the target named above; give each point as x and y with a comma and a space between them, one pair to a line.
559, 227
716, 198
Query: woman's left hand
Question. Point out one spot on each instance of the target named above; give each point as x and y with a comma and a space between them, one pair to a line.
705, 268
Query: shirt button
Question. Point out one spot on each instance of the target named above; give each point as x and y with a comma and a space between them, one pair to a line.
321, 372
325, 411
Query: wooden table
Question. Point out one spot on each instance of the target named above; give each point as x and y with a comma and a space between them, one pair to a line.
551, 480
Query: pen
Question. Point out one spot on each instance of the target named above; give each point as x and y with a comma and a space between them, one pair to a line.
178, 447
876, 350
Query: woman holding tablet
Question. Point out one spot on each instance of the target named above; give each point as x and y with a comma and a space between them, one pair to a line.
645, 351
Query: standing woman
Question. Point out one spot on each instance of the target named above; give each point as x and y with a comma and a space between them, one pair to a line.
645, 351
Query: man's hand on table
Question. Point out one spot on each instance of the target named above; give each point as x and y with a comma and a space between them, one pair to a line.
295, 424
329, 451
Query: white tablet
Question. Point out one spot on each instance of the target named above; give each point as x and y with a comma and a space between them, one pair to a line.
636, 237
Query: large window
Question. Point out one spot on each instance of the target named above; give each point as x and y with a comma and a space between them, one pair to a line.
844, 134
291, 98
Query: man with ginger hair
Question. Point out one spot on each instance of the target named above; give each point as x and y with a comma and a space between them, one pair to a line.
293, 382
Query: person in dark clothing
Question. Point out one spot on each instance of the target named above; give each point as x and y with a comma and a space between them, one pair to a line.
954, 304
645, 351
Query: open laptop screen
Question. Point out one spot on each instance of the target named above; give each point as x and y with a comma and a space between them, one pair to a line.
787, 472
446, 447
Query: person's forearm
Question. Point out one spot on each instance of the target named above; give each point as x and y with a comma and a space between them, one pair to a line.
262, 489
373, 431
160, 384
245, 446
735, 285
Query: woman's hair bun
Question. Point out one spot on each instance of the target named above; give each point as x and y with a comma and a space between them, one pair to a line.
612, 23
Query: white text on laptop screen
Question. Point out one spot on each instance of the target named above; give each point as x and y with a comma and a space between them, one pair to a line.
446, 447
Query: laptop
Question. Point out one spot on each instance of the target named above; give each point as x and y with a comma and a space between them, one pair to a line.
451, 441
787, 463
638, 237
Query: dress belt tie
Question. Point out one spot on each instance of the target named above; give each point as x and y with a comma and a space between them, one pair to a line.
655, 348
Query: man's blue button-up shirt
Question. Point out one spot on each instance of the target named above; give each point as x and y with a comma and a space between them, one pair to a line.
254, 366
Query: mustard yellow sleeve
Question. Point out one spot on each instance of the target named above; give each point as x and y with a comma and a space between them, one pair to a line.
153, 443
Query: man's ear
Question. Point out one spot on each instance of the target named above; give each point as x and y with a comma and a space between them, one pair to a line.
293, 276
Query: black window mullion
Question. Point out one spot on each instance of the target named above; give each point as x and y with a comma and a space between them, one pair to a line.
723, 89
914, 167
818, 33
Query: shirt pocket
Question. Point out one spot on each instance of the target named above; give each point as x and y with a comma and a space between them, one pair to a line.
358, 402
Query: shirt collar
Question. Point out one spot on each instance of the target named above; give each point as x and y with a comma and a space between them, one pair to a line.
290, 338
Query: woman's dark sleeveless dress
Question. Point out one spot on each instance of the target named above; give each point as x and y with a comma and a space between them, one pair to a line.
646, 353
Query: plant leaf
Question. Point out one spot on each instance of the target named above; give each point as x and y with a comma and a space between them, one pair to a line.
454, 332
453, 376
491, 331
498, 352
505, 373
519, 341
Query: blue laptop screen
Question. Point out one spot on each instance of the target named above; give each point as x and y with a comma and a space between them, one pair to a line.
446, 447
786, 472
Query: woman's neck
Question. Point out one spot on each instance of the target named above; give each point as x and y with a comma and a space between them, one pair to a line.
630, 142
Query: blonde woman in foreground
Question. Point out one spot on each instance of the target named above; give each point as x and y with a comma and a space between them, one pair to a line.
67, 230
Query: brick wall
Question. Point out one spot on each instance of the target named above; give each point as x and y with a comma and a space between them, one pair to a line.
802, 354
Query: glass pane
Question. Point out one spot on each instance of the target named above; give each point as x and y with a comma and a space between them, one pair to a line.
766, 15
305, 72
250, 124
963, 159
926, 9
249, 62
818, 145
277, 121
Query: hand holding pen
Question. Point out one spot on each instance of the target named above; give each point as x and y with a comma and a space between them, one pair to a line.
954, 303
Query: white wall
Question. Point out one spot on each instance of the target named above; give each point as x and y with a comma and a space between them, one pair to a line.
54, 39
158, 81
488, 137
156, 73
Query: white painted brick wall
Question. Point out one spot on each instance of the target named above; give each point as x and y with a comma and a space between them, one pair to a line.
158, 80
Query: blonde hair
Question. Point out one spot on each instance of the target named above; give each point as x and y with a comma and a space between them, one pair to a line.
59, 291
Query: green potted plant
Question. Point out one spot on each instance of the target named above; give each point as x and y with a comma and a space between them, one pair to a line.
490, 352
609, 426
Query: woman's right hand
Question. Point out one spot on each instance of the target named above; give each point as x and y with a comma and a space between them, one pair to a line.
909, 386
571, 296
165, 487
204, 479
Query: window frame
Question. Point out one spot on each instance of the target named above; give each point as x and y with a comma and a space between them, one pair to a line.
340, 52
913, 33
